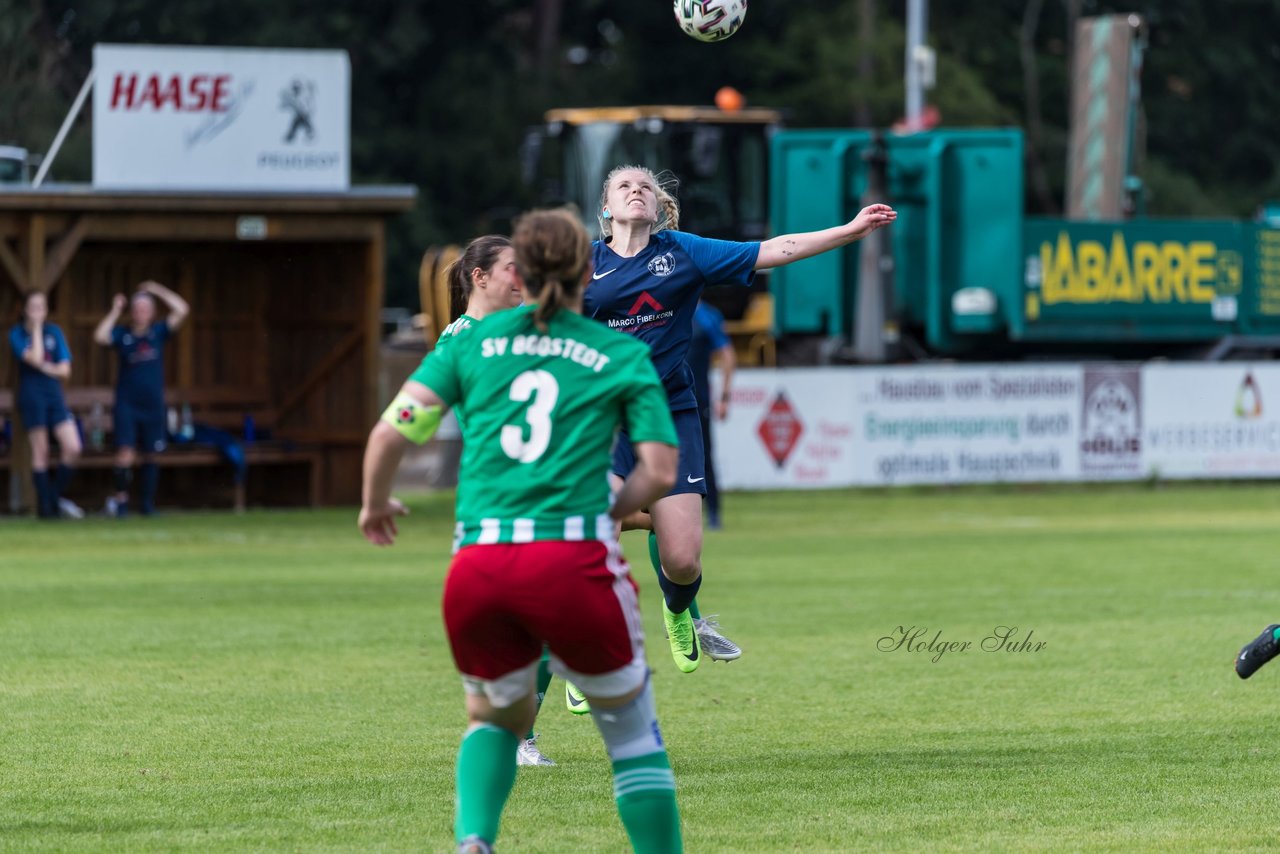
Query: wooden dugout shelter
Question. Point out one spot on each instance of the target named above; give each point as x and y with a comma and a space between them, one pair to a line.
286, 293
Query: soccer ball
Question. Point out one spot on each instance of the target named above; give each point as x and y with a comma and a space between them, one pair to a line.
710, 20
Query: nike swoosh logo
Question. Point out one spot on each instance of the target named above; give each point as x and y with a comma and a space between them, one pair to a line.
602, 275
692, 479
576, 702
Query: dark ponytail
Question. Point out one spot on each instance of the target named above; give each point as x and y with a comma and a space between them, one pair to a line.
552, 253
483, 253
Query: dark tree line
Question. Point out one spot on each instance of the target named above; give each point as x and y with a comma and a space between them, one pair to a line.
442, 92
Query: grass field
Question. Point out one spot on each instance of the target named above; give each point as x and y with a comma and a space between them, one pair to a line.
268, 682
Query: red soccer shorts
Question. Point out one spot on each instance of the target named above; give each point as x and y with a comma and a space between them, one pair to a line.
502, 603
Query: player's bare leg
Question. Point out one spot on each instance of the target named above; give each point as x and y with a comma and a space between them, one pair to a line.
486, 769
677, 523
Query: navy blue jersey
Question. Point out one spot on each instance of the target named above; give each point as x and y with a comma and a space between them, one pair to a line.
31, 378
141, 378
653, 296
708, 337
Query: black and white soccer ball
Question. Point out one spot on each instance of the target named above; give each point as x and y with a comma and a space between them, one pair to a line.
710, 20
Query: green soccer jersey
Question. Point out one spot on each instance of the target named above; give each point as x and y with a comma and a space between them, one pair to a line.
448, 334
463, 323
541, 410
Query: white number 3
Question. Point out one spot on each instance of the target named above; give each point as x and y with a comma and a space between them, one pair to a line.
544, 389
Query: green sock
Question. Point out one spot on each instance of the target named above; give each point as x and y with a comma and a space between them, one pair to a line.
486, 773
656, 559
544, 679
645, 791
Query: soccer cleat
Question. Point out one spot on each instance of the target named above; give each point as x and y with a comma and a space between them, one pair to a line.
527, 753
715, 645
116, 509
69, 509
683, 639
1258, 652
576, 700
474, 845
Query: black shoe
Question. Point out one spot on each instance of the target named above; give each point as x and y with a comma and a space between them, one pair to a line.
1257, 652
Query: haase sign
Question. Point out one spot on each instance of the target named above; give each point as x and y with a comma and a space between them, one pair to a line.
183, 118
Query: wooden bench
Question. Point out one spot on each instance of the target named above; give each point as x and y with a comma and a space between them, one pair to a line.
221, 408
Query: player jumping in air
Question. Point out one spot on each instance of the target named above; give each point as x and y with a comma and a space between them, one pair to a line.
647, 280
543, 392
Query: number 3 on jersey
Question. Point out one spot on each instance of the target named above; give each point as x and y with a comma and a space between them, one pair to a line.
544, 390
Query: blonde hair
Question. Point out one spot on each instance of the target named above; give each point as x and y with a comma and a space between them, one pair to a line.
552, 252
664, 186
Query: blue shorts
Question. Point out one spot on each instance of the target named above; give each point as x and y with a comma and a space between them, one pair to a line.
691, 474
41, 408
141, 428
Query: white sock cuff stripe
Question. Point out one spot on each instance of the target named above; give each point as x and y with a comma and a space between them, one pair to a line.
654, 786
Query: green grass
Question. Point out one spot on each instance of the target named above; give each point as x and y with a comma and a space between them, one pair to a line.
268, 682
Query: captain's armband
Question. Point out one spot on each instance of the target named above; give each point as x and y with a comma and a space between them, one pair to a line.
412, 419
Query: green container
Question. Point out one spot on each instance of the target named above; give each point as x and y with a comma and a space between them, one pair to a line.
956, 244
1144, 281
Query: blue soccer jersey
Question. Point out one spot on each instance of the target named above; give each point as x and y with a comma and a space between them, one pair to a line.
141, 378
55, 350
654, 294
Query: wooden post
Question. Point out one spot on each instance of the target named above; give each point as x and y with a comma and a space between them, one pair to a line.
35, 255
374, 263
186, 288
20, 484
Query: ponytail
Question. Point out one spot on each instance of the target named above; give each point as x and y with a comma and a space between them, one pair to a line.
552, 253
550, 300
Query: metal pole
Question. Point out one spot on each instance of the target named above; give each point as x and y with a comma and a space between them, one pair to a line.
917, 21
47, 162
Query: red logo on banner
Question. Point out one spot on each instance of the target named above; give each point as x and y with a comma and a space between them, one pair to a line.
780, 430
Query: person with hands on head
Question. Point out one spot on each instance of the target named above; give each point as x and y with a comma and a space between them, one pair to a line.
44, 364
543, 391
647, 281
139, 414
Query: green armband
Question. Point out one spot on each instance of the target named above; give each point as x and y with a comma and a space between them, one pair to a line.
413, 420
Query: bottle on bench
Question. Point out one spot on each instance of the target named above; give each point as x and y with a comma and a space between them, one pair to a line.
97, 428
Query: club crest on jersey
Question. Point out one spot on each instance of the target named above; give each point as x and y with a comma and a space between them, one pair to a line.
663, 265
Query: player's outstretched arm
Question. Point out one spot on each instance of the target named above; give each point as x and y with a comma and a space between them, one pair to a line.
652, 478
411, 419
787, 248
102, 334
